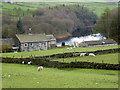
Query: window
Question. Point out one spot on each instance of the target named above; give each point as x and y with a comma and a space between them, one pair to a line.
40, 44
31, 44
45, 44
26, 45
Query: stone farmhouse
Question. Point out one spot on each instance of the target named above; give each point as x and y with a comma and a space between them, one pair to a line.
106, 42
35, 42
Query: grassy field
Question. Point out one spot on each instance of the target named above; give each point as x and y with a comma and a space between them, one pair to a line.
96, 7
106, 58
27, 76
55, 51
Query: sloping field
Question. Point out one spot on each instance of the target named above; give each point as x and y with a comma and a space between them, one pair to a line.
55, 51
27, 76
106, 58
96, 7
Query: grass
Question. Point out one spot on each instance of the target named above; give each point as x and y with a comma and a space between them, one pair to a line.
55, 51
106, 58
96, 7
12, 6
27, 76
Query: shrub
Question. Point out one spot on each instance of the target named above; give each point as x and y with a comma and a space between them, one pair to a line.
6, 48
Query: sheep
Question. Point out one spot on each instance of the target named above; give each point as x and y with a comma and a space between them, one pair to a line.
68, 48
29, 63
9, 75
23, 62
15, 52
74, 47
82, 54
40, 68
91, 54
76, 54
71, 48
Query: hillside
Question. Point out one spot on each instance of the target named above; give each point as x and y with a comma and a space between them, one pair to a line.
96, 7
48, 17
58, 20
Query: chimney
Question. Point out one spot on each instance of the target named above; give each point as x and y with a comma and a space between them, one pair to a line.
30, 33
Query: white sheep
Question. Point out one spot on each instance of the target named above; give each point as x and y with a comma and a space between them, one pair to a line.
15, 52
29, 63
91, 54
71, 48
76, 54
82, 54
68, 48
40, 68
23, 62
74, 47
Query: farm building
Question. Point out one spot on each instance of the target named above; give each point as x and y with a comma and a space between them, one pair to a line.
35, 42
98, 43
9, 41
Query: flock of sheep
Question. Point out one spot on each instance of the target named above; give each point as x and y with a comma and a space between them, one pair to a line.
71, 48
40, 68
82, 54
90, 54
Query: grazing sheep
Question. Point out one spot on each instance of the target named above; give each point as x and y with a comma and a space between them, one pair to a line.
91, 54
23, 62
9, 75
29, 63
71, 48
82, 54
74, 47
68, 48
76, 54
40, 68
15, 52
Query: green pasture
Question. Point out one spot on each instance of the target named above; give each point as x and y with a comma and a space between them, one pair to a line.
6, 6
96, 7
27, 76
106, 58
55, 51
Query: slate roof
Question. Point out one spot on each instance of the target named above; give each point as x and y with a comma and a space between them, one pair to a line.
100, 42
51, 37
33, 37
7, 40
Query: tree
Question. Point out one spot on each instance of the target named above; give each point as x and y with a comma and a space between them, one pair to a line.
6, 48
107, 25
6, 19
103, 23
9, 31
20, 26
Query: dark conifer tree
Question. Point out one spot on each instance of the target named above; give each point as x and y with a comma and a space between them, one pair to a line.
20, 26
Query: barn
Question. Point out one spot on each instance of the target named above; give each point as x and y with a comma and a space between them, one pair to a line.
106, 42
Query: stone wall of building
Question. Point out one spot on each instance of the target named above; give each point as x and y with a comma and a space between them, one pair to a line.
35, 46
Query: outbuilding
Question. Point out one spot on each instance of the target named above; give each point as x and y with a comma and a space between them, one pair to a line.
106, 42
